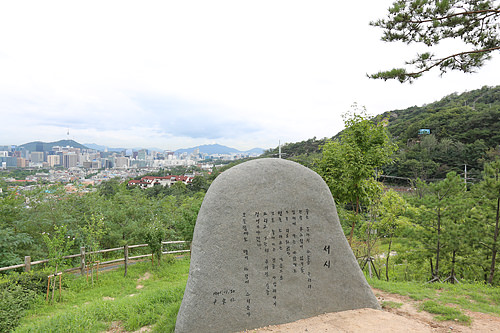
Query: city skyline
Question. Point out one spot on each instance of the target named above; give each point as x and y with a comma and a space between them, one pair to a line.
69, 154
172, 74
207, 148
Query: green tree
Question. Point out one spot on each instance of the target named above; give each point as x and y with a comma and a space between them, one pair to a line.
198, 184
93, 232
189, 213
178, 189
125, 213
109, 188
491, 186
154, 234
12, 240
392, 220
437, 203
44, 208
474, 22
349, 165
58, 246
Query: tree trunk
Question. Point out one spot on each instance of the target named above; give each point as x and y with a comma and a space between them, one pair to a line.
438, 248
494, 248
354, 221
54, 285
368, 247
387, 259
92, 273
452, 274
369, 268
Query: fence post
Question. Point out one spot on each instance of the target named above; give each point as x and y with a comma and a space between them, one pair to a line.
82, 260
125, 256
27, 263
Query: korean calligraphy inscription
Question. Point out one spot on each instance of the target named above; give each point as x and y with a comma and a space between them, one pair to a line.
268, 249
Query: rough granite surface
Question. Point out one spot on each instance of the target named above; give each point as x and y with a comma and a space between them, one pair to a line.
268, 249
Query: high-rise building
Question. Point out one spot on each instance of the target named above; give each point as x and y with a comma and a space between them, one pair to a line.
53, 160
70, 160
21, 162
10, 161
142, 154
37, 157
122, 162
106, 163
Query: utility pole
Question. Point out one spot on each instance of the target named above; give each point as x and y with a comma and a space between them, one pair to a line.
279, 148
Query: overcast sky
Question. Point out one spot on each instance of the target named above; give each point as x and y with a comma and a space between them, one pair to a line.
176, 74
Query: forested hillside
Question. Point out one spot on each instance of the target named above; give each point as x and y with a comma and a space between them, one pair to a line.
464, 130
464, 133
47, 146
465, 117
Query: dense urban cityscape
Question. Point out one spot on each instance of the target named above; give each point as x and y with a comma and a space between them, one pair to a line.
86, 166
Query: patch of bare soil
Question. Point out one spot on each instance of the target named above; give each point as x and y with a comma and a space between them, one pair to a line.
116, 327
144, 329
407, 318
146, 276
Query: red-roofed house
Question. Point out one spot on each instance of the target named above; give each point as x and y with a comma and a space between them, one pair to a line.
150, 181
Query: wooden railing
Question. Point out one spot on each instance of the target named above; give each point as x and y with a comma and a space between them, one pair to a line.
28, 263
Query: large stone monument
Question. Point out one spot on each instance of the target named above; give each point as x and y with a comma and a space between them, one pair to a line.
267, 249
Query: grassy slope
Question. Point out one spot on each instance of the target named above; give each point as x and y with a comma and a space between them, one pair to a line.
437, 297
115, 299
88, 309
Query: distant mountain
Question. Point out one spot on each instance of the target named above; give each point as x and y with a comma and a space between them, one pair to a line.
150, 149
258, 151
47, 146
103, 148
206, 149
218, 149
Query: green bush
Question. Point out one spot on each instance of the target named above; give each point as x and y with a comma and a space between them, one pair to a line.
34, 280
15, 300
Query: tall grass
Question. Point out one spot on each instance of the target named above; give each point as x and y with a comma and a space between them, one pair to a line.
115, 300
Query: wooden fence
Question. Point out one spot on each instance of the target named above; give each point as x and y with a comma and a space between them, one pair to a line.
28, 263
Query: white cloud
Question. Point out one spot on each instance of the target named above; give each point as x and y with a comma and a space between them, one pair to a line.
173, 74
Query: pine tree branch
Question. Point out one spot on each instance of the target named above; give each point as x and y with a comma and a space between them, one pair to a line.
491, 12
440, 61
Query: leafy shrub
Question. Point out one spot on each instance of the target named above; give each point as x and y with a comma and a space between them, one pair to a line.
15, 300
34, 280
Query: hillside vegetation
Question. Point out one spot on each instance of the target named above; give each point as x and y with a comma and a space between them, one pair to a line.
464, 130
440, 148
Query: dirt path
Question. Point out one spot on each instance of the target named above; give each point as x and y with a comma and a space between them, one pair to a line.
407, 318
